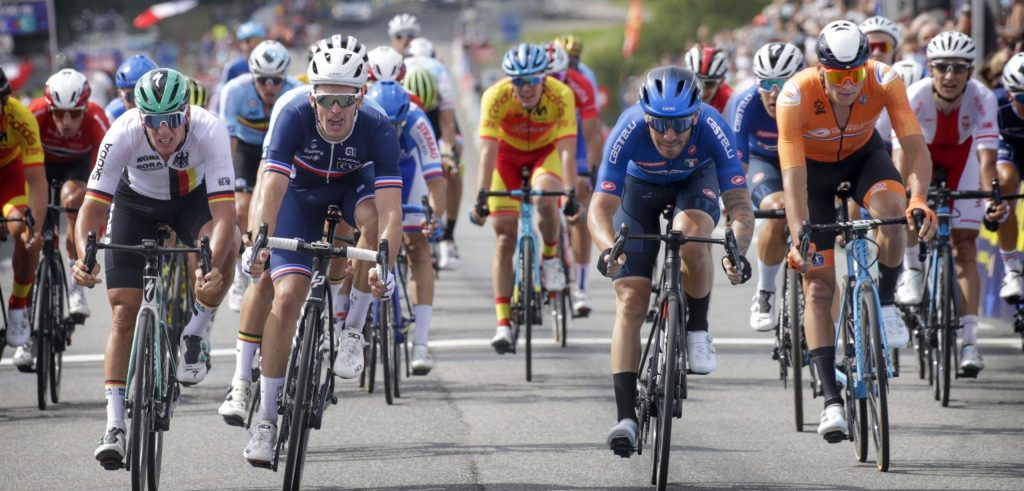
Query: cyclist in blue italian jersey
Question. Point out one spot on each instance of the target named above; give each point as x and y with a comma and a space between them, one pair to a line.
245, 104
128, 74
757, 137
669, 149
327, 149
422, 175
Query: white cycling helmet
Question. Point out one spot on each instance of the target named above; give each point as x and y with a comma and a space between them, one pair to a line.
909, 70
386, 64
883, 25
269, 58
421, 47
841, 46
67, 89
344, 42
1013, 73
777, 60
403, 23
558, 58
708, 62
951, 44
338, 66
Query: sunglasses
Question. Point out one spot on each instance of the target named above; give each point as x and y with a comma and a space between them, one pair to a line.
61, 113
679, 125
839, 77
172, 120
521, 81
342, 100
769, 84
1017, 96
883, 46
949, 66
405, 35
274, 81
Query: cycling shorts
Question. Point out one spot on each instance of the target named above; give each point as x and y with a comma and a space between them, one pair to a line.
764, 177
414, 188
508, 173
869, 170
13, 188
1008, 155
134, 217
78, 170
303, 213
247, 165
642, 205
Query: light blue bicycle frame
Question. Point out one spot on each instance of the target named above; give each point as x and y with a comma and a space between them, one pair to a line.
525, 231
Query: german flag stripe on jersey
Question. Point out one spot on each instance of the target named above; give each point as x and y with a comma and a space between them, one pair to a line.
99, 196
256, 124
220, 197
183, 181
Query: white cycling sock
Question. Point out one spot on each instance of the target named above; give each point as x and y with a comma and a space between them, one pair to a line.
341, 302
359, 304
766, 276
423, 315
270, 388
1011, 260
72, 284
911, 259
115, 405
200, 320
970, 328
245, 351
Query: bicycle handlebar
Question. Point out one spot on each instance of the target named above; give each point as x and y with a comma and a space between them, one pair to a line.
770, 214
148, 248
570, 208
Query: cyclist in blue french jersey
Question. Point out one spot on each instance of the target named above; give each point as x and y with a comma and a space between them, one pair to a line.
245, 105
1009, 162
757, 137
669, 149
422, 175
128, 74
326, 150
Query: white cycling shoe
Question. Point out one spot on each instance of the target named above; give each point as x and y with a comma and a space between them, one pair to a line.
233, 409
349, 362
621, 438
700, 352
909, 287
262, 441
422, 363
896, 331
24, 356
553, 273
18, 328
238, 286
111, 449
971, 360
762, 317
502, 340
448, 255
1013, 286
833, 427
77, 306
581, 303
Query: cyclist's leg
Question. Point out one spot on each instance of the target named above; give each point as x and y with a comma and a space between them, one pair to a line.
505, 216
418, 252
765, 179
359, 209
72, 193
581, 243
340, 279
1009, 183
14, 200
246, 159
966, 223
547, 176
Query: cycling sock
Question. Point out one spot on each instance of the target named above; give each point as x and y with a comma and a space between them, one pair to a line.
766, 276
423, 314
887, 276
340, 299
625, 394
550, 250
200, 320
19, 294
581, 276
697, 313
245, 351
71, 265
114, 391
270, 388
824, 361
503, 310
970, 329
911, 259
359, 305
1011, 260
449, 230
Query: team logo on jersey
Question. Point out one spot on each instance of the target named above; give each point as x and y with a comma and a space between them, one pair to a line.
649, 164
879, 186
692, 150
863, 99
691, 163
180, 160
819, 107
252, 102
709, 193
965, 121
739, 180
757, 177
817, 260
224, 181
608, 185
100, 160
350, 151
790, 95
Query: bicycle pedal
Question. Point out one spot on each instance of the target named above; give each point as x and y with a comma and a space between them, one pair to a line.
27, 369
110, 462
969, 373
621, 447
78, 319
834, 437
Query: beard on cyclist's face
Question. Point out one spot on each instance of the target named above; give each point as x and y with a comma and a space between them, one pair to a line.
335, 122
529, 94
948, 83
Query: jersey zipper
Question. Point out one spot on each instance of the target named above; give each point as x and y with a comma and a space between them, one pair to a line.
842, 131
330, 165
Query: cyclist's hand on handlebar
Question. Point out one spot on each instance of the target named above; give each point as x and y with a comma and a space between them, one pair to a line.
608, 267
255, 265
33, 241
798, 263
997, 213
86, 278
430, 226
209, 286
379, 288
930, 224
478, 214
735, 275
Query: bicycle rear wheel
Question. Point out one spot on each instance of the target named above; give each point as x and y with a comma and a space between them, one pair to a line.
877, 379
526, 294
663, 436
139, 445
302, 404
795, 331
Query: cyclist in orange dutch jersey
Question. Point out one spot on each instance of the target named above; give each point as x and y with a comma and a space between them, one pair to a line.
527, 119
827, 117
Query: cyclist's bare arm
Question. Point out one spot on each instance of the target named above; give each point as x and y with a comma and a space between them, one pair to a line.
918, 164
566, 148
35, 177
222, 230
987, 167
389, 218
740, 207
91, 216
794, 186
447, 120
599, 219
266, 200
438, 189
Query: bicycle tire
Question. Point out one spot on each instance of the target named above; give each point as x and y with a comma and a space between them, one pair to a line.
43, 323
948, 320
657, 366
646, 388
253, 403
795, 330
385, 333
527, 293
396, 347
877, 381
141, 384
374, 345
781, 350
303, 403
854, 408
168, 384
668, 401
860, 419
62, 335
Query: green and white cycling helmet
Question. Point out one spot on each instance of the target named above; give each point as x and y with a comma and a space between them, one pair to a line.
162, 91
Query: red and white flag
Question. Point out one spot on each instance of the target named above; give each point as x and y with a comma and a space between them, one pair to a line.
161, 11
634, 20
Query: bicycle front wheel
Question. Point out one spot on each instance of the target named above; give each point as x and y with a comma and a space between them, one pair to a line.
663, 437
948, 320
305, 390
795, 330
386, 334
856, 408
877, 379
139, 444
42, 324
527, 296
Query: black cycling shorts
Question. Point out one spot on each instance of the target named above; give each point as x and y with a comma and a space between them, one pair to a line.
764, 177
247, 165
78, 170
134, 217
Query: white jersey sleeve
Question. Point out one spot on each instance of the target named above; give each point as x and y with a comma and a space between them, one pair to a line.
111, 160
985, 108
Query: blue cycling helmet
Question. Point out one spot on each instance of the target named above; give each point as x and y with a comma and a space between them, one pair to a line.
842, 46
392, 97
132, 69
525, 60
670, 92
250, 30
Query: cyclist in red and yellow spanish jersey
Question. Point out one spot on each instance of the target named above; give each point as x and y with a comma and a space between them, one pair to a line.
527, 120
826, 116
22, 185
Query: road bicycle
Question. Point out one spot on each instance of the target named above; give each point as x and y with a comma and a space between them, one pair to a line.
309, 381
661, 385
526, 304
152, 387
